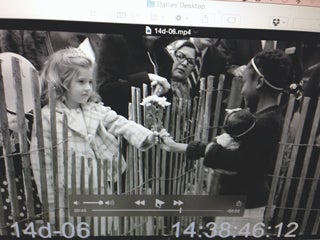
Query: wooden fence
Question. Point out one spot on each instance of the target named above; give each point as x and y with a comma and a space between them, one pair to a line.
158, 172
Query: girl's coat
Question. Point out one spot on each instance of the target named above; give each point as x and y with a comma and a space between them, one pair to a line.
96, 142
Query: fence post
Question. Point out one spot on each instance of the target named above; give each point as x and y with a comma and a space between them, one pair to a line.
54, 145
235, 94
8, 159
294, 154
22, 125
278, 163
217, 112
306, 162
38, 127
66, 165
315, 179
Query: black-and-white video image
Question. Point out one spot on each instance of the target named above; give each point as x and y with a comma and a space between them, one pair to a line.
108, 134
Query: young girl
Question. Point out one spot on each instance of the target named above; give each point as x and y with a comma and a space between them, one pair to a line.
92, 127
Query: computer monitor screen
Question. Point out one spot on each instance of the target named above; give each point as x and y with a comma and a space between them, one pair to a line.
160, 120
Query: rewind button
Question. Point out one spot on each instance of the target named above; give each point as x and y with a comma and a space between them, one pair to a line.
140, 202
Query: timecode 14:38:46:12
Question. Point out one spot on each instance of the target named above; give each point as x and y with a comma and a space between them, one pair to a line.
225, 230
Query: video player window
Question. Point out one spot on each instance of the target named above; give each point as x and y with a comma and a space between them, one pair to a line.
131, 131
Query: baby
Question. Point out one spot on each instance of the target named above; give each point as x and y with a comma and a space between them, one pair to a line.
238, 124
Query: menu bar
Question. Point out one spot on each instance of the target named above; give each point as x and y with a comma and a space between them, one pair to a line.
309, 3
188, 13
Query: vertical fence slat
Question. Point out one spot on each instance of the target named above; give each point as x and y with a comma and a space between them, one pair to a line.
7, 150
24, 149
316, 177
157, 170
112, 191
139, 120
278, 163
5, 144
119, 166
235, 94
306, 162
90, 192
207, 106
119, 177
175, 155
184, 125
99, 192
146, 154
55, 163
294, 154
198, 131
310, 201
105, 167
139, 159
172, 161
38, 127
165, 166
82, 180
66, 165
3, 227
135, 153
129, 187
178, 136
200, 108
206, 123
315, 229
74, 186
217, 112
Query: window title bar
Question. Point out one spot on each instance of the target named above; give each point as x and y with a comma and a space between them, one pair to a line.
188, 13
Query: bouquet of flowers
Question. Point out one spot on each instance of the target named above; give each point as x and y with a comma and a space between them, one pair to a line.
154, 110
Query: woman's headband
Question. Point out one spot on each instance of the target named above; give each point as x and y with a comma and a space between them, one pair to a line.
264, 79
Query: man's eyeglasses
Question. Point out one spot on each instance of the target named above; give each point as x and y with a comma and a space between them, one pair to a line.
181, 58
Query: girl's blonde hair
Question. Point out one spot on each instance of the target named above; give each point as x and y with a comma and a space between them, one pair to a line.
59, 70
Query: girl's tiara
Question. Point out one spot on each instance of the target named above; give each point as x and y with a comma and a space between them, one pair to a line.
75, 53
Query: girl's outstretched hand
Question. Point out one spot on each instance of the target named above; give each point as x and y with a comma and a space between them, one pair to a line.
168, 144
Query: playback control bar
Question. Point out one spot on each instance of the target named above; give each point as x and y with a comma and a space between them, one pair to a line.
156, 205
